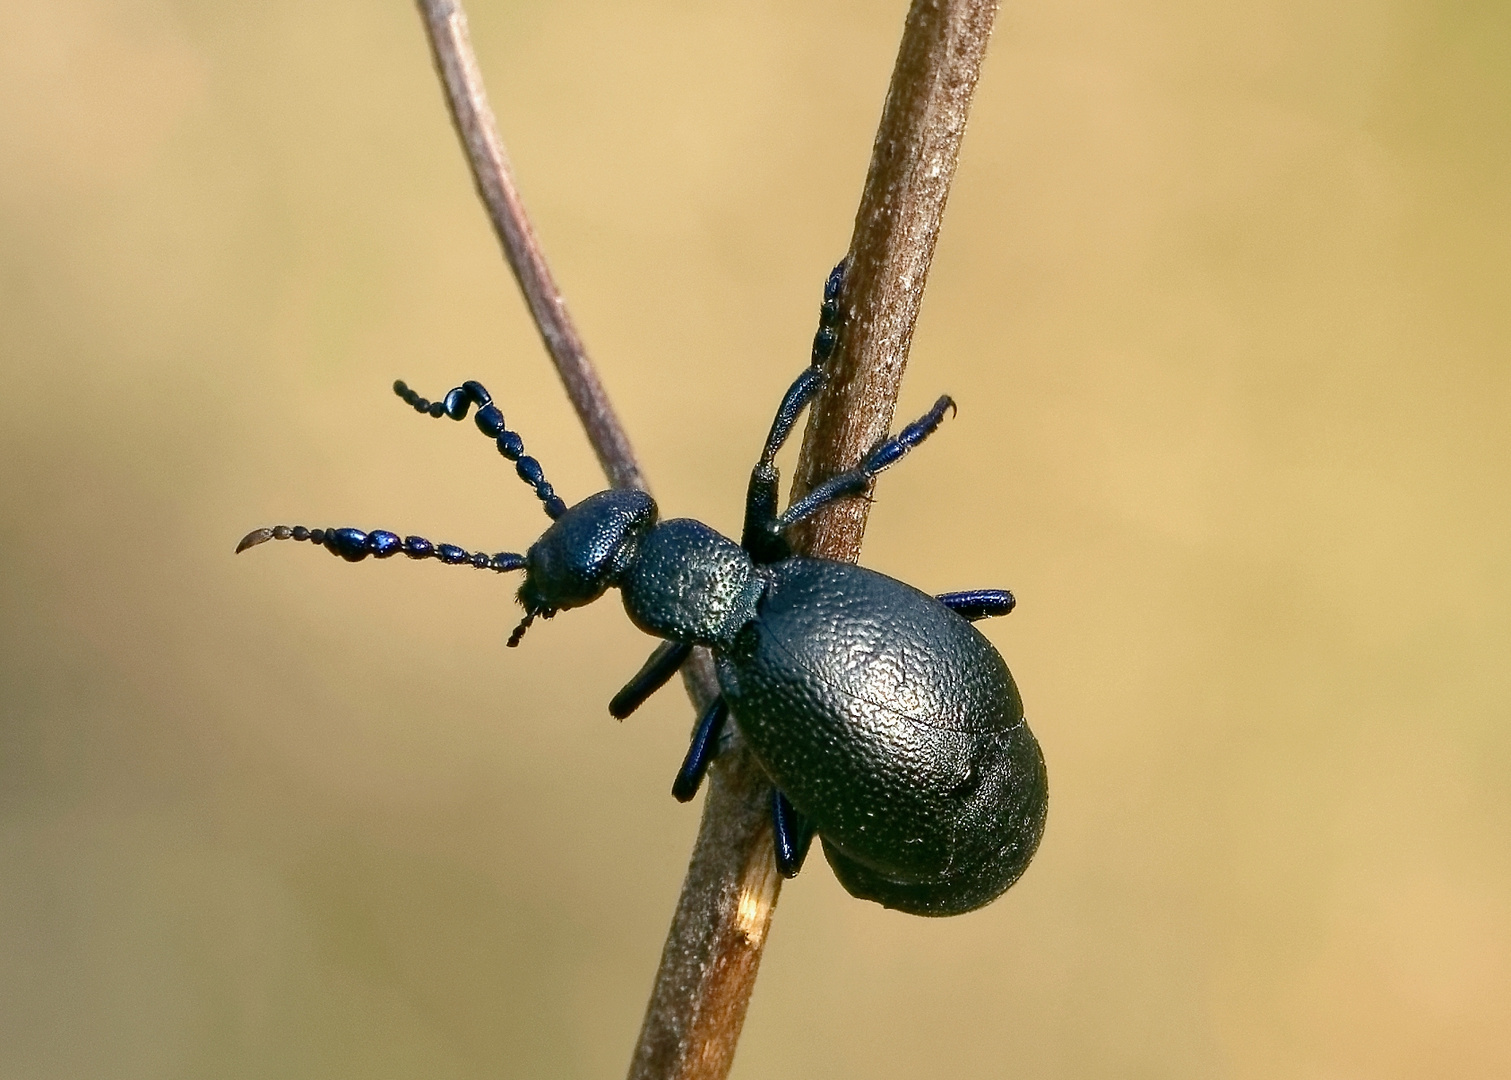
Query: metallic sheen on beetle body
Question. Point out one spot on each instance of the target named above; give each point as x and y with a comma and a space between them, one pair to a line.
889, 725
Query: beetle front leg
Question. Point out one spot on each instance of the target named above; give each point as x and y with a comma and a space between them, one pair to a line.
759, 539
855, 481
791, 835
652, 676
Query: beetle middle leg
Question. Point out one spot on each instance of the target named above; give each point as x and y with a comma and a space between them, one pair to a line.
791, 835
759, 539
701, 751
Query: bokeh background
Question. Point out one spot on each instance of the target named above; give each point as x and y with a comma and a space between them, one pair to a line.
1224, 293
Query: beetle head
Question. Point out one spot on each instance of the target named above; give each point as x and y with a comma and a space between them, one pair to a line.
583, 553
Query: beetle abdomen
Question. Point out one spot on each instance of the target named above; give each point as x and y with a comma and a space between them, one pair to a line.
895, 726
997, 836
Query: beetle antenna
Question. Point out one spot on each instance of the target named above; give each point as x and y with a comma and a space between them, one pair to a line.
490, 421
354, 545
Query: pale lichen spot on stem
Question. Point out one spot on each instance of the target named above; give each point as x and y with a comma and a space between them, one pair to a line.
757, 896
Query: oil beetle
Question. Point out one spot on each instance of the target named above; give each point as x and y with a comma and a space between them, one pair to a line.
888, 724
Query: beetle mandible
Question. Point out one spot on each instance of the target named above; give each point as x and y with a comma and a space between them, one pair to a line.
888, 724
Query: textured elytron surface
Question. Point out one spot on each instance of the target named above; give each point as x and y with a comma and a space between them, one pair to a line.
895, 726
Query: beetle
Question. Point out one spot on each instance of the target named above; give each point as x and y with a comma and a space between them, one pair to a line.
888, 724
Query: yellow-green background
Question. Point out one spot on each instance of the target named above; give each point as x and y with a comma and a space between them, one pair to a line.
1224, 293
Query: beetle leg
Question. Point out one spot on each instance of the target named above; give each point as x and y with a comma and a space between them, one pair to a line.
760, 538
855, 481
652, 676
811, 381
701, 751
791, 835
977, 604
830, 317
491, 423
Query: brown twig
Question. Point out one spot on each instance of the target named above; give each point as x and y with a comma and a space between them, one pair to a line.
712, 952
708, 966
446, 26
912, 164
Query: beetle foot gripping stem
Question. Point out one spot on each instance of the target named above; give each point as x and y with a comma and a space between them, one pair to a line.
855, 481
354, 545
761, 537
807, 385
490, 421
830, 317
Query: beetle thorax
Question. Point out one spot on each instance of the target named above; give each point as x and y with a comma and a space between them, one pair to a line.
688, 583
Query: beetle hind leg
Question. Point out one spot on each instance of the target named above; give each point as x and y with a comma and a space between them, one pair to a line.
975, 604
760, 538
791, 834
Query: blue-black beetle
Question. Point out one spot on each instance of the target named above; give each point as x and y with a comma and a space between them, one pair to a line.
888, 724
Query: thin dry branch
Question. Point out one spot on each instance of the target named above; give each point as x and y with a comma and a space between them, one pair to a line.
446, 26
713, 950
709, 963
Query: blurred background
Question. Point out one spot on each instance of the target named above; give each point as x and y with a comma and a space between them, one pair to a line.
1223, 296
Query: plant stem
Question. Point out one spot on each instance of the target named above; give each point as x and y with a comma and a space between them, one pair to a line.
712, 952
912, 165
